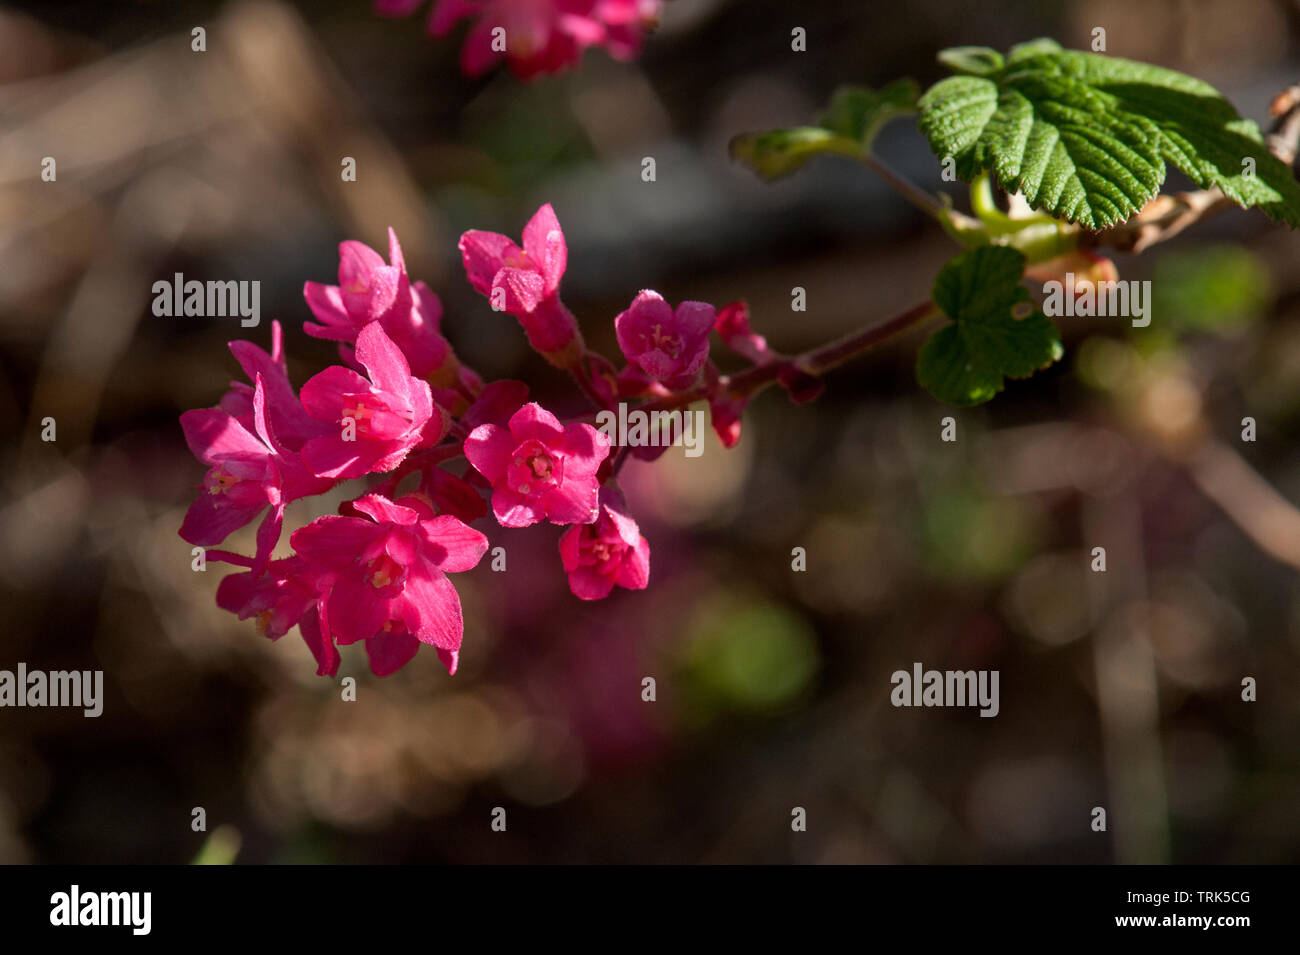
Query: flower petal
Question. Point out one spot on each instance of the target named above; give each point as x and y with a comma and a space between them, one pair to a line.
209, 521
587, 583
213, 435
514, 510
319, 643
331, 456
544, 243
334, 542
483, 253
488, 448
451, 544
355, 609
385, 511
385, 362
430, 607
390, 651
534, 421
634, 574
323, 393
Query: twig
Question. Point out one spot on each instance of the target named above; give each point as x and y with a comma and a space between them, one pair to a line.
816, 362
1254, 505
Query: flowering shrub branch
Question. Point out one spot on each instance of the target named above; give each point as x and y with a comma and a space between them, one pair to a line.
401, 404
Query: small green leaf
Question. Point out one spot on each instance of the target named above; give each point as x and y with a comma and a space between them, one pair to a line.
1086, 137
974, 60
1030, 48
780, 152
966, 362
846, 128
857, 113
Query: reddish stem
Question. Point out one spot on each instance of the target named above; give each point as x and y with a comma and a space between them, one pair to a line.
816, 362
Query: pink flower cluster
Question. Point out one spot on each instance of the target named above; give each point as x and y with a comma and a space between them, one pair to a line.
401, 406
535, 36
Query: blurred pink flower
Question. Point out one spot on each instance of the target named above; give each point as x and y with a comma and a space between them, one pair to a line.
733, 328
540, 36
539, 469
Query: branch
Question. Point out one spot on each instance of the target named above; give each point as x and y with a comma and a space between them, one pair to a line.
817, 362
1254, 505
917, 196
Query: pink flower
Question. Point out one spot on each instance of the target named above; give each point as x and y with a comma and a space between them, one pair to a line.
541, 36
280, 598
379, 420
734, 330
539, 469
725, 415
383, 578
610, 551
669, 346
526, 282
733, 327
250, 470
285, 415
372, 290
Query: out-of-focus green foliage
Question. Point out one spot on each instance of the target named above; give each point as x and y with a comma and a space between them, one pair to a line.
220, 848
970, 534
743, 655
1219, 288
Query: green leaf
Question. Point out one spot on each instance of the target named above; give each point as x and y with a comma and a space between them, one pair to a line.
974, 60
989, 339
858, 113
1086, 137
846, 128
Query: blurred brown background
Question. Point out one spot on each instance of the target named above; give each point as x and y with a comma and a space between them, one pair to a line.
1119, 690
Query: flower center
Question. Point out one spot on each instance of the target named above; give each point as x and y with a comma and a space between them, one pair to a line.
600, 544
359, 415
221, 482
666, 342
534, 468
541, 465
520, 259
384, 571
